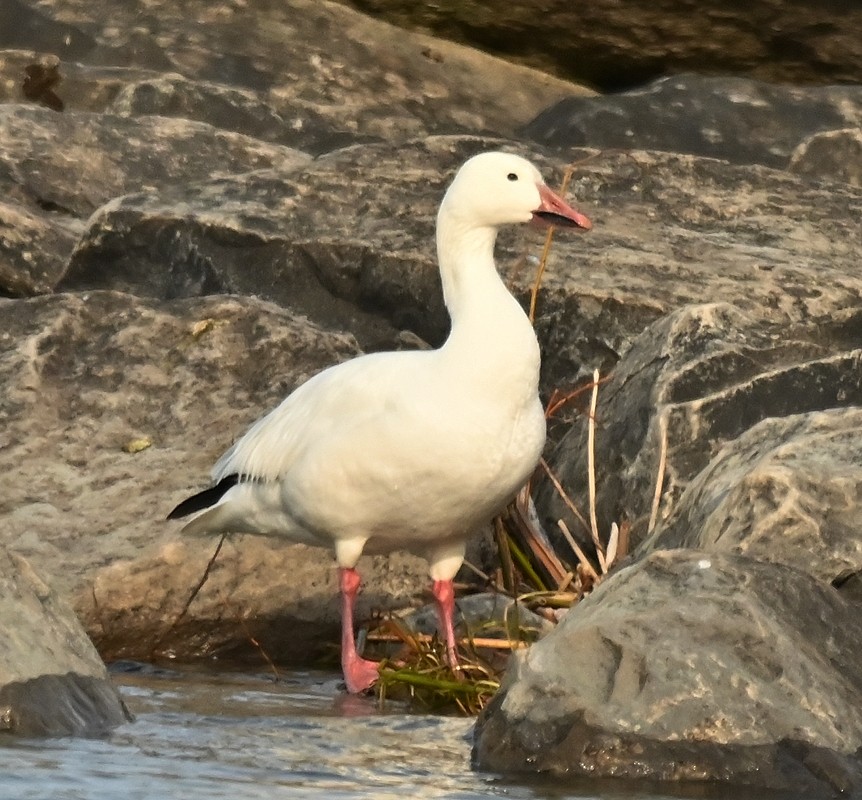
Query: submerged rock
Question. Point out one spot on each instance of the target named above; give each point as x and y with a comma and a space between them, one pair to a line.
690, 667
52, 681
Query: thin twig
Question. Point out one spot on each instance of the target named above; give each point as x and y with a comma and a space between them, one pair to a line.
577, 550
565, 581
591, 472
524, 563
193, 594
562, 492
546, 250
423, 638
476, 571
506, 565
260, 649
659, 480
559, 399
543, 262
522, 513
613, 544
551, 599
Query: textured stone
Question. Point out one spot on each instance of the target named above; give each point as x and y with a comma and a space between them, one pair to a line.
831, 155
317, 65
52, 681
707, 374
690, 667
74, 162
355, 229
34, 248
788, 490
114, 409
617, 45
739, 120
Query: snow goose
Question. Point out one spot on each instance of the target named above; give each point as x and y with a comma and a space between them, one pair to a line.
406, 450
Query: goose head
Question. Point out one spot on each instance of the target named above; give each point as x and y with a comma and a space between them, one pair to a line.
494, 189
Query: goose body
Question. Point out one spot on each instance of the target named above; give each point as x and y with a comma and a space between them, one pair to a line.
406, 450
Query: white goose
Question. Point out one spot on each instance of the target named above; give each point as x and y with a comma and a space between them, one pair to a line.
406, 450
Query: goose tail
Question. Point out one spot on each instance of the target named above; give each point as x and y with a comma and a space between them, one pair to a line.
211, 516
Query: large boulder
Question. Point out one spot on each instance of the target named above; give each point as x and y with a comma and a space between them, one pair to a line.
694, 668
52, 681
735, 119
788, 490
57, 169
348, 240
616, 45
331, 75
693, 381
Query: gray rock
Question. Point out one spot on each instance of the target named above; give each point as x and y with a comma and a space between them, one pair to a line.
736, 119
788, 490
81, 87
831, 155
23, 26
300, 125
688, 666
34, 248
314, 64
75, 161
351, 236
618, 45
52, 681
707, 374
56, 169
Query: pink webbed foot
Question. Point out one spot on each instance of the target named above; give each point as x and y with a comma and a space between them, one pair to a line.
360, 674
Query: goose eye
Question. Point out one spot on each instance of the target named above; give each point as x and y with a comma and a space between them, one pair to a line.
512, 176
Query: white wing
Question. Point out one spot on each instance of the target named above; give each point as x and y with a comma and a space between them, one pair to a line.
343, 396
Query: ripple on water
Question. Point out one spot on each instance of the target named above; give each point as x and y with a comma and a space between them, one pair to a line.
243, 737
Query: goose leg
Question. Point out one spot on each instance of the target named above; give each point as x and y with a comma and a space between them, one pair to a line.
359, 673
444, 594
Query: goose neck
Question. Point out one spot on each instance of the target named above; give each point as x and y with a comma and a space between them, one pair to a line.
466, 257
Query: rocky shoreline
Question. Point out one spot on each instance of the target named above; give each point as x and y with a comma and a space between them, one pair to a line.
224, 206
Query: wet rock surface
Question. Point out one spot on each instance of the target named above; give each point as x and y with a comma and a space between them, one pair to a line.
52, 681
232, 199
644, 680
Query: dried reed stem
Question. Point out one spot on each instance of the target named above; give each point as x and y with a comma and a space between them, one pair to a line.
546, 250
423, 638
192, 596
562, 492
591, 472
659, 480
577, 550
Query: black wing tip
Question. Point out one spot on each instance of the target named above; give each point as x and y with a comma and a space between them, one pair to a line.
204, 499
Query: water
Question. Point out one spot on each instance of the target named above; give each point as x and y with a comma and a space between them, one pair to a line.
244, 737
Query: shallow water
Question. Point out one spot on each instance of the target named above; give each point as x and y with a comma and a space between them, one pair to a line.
240, 736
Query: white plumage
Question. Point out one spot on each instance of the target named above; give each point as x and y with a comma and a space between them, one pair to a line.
407, 450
